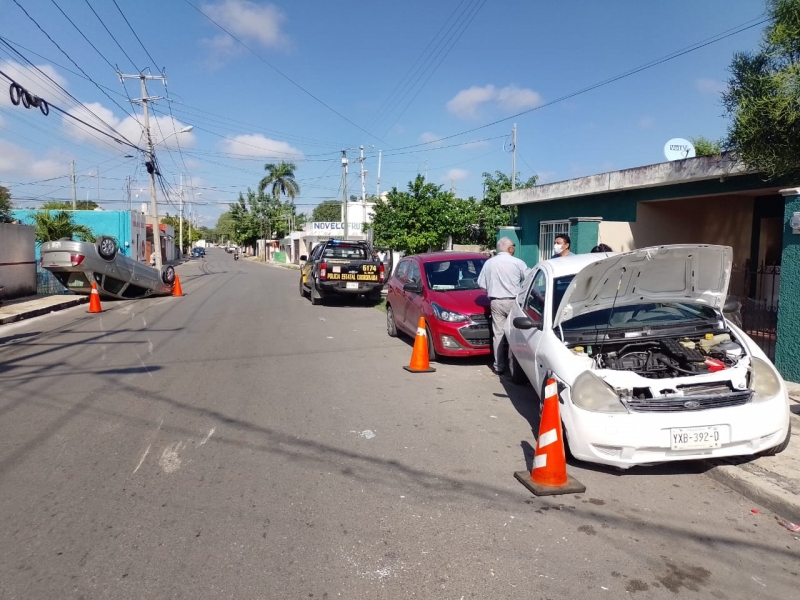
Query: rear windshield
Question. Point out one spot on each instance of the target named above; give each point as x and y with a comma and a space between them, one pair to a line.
345, 251
446, 275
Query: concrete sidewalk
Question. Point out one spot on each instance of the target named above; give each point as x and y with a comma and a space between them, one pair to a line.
34, 306
771, 481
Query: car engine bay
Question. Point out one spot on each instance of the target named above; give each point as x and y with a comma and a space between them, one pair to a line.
667, 357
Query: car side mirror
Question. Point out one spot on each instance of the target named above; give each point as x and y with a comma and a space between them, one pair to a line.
412, 286
304, 257
525, 323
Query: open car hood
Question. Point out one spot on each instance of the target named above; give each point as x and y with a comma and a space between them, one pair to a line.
679, 273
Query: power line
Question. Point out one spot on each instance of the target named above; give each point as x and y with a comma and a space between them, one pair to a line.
88, 41
133, 31
111, 34
284, 75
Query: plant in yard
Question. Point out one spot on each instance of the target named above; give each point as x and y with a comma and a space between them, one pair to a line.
53, 226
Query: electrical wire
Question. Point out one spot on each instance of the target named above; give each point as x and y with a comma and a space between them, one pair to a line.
133, 31
108, 31
282, 74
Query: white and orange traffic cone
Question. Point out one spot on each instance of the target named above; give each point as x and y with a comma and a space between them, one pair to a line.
549, 477
420, 362
94, 300
176, 287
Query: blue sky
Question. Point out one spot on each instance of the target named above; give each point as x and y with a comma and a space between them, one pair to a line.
511, 56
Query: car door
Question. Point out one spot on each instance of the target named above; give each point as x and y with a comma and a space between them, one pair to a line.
395, 296
526, 341
306, 271
414, 300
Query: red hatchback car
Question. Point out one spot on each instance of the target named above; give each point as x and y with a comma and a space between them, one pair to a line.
443, 288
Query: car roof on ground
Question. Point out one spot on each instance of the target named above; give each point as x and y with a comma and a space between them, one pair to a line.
572, 263
440, 256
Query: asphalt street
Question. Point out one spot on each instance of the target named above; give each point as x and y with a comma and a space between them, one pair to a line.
240, 443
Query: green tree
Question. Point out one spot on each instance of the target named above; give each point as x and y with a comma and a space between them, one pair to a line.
80, 204
491, 214
5, 205
329, 210
281, 182
420, 219
763, 96
53, 226
706, 147
225, 226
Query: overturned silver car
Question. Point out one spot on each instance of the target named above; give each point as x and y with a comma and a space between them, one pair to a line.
77, 264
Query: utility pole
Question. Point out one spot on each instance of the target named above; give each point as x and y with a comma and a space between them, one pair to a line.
98, 186
514, 157
344, 191
180, 219
363, 176
74, 187
150, 163
378, 190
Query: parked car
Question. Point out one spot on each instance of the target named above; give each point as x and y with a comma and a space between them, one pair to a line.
648, 368
443, 288
77, 264
338, 267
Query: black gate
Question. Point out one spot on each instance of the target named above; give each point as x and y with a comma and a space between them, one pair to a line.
758, 287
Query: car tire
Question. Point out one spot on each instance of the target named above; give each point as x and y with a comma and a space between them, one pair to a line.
780, 447
107, 248
316, 295
391, 325
516, 373
432, 356
168, 275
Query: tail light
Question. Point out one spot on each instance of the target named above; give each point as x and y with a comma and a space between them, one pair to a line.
76, 259
381, 273
323, 270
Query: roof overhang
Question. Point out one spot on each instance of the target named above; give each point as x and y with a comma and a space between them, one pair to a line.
675, 172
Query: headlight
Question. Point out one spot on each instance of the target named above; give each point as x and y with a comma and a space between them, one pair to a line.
592, 393
764, 380
446, 315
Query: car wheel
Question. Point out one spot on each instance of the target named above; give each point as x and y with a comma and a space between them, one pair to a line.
168, 275
391, 326
316, 295
107, 248
515, 371
431, 348
780, 447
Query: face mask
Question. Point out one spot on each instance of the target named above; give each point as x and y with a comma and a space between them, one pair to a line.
557, 248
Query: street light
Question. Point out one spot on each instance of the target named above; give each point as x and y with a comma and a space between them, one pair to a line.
186, 129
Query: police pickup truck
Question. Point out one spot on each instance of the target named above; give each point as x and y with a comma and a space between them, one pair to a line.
341, 267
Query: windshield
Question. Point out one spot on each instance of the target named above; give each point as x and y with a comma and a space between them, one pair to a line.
446, 275
637, 316
560, 285
346, 251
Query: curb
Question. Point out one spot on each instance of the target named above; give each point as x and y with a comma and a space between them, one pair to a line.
43, 311
752, 487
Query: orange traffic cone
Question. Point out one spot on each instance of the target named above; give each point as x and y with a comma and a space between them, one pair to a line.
94, 300
176, 287
548, 477
419, 355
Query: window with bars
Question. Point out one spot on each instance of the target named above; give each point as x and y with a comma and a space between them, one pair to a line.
548, 232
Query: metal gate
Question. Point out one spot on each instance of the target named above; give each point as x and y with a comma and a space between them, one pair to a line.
548, 232
758, 296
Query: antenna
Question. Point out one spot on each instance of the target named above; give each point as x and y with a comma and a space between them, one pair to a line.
678, 149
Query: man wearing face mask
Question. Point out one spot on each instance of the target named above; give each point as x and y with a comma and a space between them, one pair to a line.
501, 277
561, 246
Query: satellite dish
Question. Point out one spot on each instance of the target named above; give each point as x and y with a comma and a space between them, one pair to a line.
678, 149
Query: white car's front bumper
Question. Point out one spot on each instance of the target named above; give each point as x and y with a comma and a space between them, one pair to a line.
625, 440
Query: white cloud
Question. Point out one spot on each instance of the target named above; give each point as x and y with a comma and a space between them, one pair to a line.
456, 175
18, 163
163, 130
465, 104
476, 144
31, 80
646, 122
710, 86
250, 21
257, 145
427, 137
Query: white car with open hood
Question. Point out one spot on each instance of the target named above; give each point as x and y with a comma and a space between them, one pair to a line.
648, 368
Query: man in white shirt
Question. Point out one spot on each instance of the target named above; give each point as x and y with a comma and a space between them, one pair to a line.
501, 277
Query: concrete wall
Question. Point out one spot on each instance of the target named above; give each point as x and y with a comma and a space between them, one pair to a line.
616, 234
17, 261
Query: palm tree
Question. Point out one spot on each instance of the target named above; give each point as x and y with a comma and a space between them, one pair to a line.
52, 226
281, 179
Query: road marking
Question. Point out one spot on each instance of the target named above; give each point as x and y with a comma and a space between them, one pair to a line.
143, 457
170, 461
149, 346
144, 323
208, 437
144, 365
547, 438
